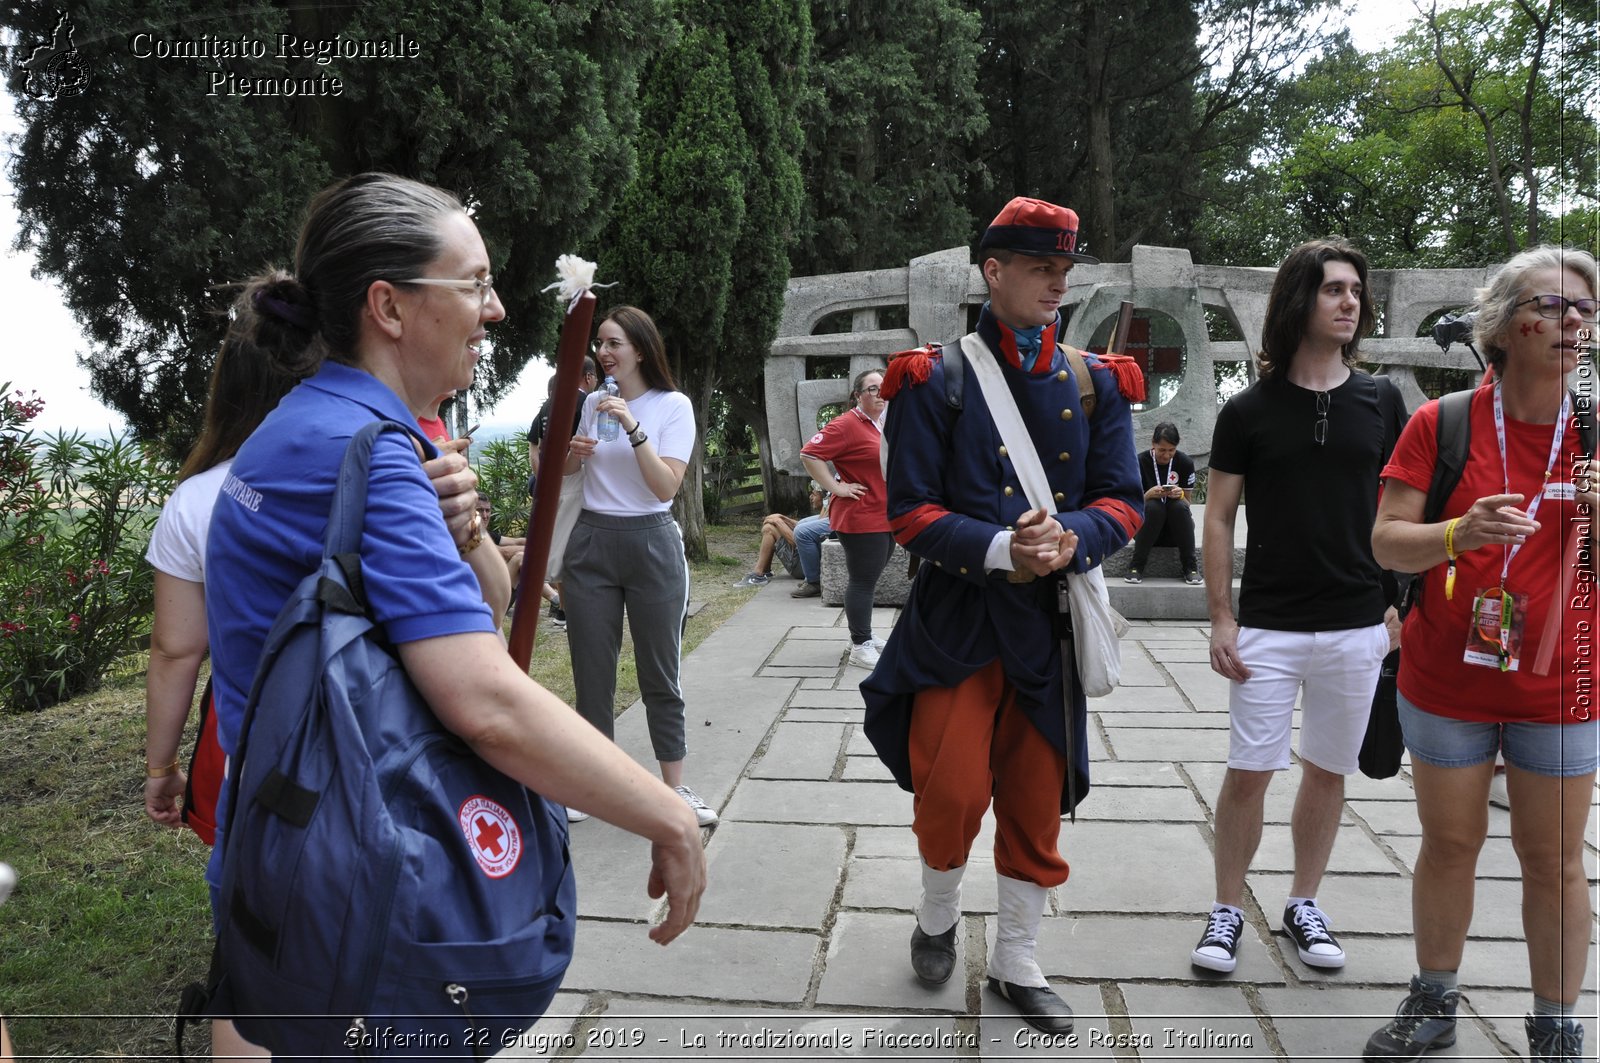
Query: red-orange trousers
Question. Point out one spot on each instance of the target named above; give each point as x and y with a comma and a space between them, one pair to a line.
970, 743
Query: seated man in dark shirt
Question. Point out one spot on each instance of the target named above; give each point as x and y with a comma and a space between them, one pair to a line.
1168, 477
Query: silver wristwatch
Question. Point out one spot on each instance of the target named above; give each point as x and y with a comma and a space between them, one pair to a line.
637, 436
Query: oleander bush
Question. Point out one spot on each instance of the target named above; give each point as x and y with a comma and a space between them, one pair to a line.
75, 518
503, 473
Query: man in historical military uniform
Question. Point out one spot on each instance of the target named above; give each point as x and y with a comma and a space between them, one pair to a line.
970, 701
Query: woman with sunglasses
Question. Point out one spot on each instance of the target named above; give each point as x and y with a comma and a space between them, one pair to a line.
1488, 654
625, 553
859, 511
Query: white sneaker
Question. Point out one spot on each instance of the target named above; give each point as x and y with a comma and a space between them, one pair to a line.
864, 655
878, 644
702, 811
574, 816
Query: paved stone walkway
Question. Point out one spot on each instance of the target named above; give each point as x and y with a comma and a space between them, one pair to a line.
801, 948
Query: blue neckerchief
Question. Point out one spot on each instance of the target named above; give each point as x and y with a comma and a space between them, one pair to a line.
1020, 347
1028, 346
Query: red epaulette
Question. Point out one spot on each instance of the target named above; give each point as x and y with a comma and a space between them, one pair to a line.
1130, 378
911, 367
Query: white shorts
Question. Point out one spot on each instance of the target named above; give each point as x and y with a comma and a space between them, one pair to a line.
1338, 672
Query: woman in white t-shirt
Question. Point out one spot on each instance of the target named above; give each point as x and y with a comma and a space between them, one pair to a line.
245, 386
626, 552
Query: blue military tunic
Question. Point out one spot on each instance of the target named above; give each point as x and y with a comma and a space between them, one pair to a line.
952, 488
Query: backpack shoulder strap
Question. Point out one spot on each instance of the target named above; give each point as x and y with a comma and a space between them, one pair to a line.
1080, 369
955, 376
1392, 408
1454, 434
955, 373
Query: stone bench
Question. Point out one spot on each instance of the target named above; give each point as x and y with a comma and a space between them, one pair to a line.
1163, 563
893, 586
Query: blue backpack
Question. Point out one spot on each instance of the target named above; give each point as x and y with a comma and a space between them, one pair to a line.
385, 892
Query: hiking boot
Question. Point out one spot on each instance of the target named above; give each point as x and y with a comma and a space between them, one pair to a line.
1552, 1038
1424, 1021
864, 655
1133, 576
754, 579
1308, 926
702, 811
1219, 945
1192, 578
807, 589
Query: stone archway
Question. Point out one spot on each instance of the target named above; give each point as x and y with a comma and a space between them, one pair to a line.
936, 292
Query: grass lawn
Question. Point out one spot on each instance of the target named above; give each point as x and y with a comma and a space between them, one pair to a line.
110, 917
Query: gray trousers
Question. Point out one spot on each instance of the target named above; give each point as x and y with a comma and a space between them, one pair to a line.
633, 565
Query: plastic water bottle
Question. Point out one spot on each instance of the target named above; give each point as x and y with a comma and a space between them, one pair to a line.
606, 426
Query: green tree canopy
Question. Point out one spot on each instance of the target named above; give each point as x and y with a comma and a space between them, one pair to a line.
1472, 137
143, 193
1122, 109
702, 236
891, 131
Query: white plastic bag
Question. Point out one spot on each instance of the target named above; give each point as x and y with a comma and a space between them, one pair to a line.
566, 519
1097, 630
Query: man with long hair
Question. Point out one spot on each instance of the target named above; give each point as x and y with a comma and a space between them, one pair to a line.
1309, 437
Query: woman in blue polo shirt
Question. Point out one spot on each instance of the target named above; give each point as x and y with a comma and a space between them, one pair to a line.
387, 308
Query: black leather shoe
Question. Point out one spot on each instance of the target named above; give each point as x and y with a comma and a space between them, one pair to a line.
1040, 1007
933, 956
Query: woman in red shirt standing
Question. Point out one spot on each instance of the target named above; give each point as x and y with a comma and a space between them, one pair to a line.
858, 512
1508, 544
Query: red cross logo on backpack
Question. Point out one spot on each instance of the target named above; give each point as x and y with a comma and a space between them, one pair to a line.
492, 836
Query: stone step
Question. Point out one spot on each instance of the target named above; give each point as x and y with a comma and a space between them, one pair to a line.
1164, 559
1160, 598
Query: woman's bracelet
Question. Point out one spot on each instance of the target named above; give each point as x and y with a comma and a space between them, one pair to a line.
1450, 555
161, 773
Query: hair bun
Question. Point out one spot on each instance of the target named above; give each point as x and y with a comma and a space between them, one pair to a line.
287, 300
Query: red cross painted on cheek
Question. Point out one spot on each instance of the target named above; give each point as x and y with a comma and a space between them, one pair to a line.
1526, 328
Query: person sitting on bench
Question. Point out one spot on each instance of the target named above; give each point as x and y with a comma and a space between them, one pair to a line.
1168, 477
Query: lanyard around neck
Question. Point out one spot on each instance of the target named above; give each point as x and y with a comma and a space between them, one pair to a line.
1161, 477
1505, 465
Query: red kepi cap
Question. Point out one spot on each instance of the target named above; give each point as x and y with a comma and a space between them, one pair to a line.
1034, 227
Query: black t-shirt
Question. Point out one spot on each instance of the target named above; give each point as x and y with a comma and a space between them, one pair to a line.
1179, 472
541, 422
1310, 508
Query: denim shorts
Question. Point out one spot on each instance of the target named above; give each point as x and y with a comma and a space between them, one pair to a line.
1559, 749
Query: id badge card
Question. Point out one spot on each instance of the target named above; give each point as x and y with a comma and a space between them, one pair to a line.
1493, 641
